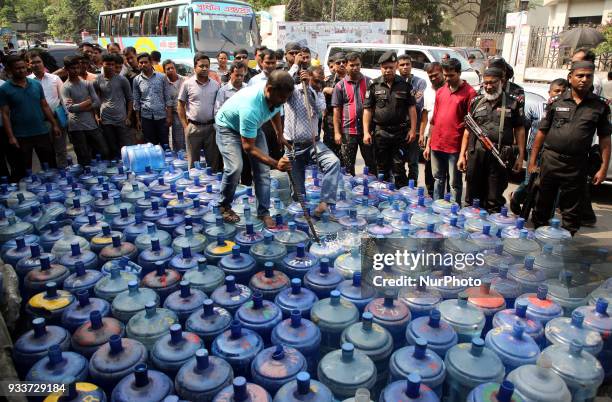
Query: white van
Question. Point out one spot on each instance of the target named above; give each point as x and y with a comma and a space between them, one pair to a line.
421, 55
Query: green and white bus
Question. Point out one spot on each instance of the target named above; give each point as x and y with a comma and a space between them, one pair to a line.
178, 29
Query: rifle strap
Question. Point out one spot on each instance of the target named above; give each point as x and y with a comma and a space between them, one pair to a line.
483, 99
502, 117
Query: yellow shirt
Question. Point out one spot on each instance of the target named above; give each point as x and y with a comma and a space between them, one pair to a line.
158, 68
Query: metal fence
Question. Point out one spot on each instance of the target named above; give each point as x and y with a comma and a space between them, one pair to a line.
491, 43
545, 51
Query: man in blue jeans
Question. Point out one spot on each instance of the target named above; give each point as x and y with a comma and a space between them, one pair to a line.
299, 129
152, 102
239, 124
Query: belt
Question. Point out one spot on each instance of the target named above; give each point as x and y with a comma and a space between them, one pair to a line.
302, 144
391, 129
197, 123
568, 157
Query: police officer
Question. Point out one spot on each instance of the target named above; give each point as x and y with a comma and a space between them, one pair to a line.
508, 72
486, 178
390, 105
566, 134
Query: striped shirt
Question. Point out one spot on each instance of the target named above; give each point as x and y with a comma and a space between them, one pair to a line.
175, 88
298, 127
533, 113
349, 95
224, 93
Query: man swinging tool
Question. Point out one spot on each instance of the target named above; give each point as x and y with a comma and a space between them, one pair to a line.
239, 124
301, 135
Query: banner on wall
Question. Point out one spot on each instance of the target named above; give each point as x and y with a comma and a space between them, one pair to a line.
317, 35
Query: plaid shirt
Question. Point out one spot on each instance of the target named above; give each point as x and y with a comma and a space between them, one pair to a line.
151, 95
298, 127
533, 113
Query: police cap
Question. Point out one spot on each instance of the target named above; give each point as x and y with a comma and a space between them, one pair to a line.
497, 62
388, 57
582, 64
493, 72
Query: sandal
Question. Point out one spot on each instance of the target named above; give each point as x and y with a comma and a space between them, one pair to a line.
229, 216
319, 210
267, 220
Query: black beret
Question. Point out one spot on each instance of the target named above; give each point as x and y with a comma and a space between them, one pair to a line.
389, 56
582, 64
498, 62
493, 72
292, 47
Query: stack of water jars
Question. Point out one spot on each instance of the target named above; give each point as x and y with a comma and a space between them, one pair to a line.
135, 289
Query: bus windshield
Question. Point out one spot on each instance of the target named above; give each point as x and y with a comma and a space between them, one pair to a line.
214, 32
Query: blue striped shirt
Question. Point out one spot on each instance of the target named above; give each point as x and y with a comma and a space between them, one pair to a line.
533, 113
152, 95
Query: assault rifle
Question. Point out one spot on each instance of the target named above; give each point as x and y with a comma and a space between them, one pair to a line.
482, 137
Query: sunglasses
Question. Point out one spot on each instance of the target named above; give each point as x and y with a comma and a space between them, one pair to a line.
239, 57
292, 53
340, 62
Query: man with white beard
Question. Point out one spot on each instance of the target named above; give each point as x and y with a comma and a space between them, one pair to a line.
486, 178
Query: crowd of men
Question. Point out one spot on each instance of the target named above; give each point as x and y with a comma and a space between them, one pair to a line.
103, 100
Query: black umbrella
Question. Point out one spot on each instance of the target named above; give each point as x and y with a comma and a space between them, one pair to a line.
581, 37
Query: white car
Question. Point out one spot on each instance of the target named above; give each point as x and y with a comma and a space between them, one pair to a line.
420, 55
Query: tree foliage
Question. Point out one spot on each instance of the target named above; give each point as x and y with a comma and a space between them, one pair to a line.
7, 12
67, 18
605, 46
424, 17
263, 4
28, 12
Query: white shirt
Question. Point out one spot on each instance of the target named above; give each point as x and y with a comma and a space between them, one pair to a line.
293, 69
321, 104
597, 85
429, 100
258, 79
52, 85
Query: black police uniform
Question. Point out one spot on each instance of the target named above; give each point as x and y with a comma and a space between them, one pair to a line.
389, 106
516, 91
513, 89
486, 178
569, 129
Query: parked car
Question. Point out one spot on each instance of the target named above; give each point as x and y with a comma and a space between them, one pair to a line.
420, 55
480, 62
53, 57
